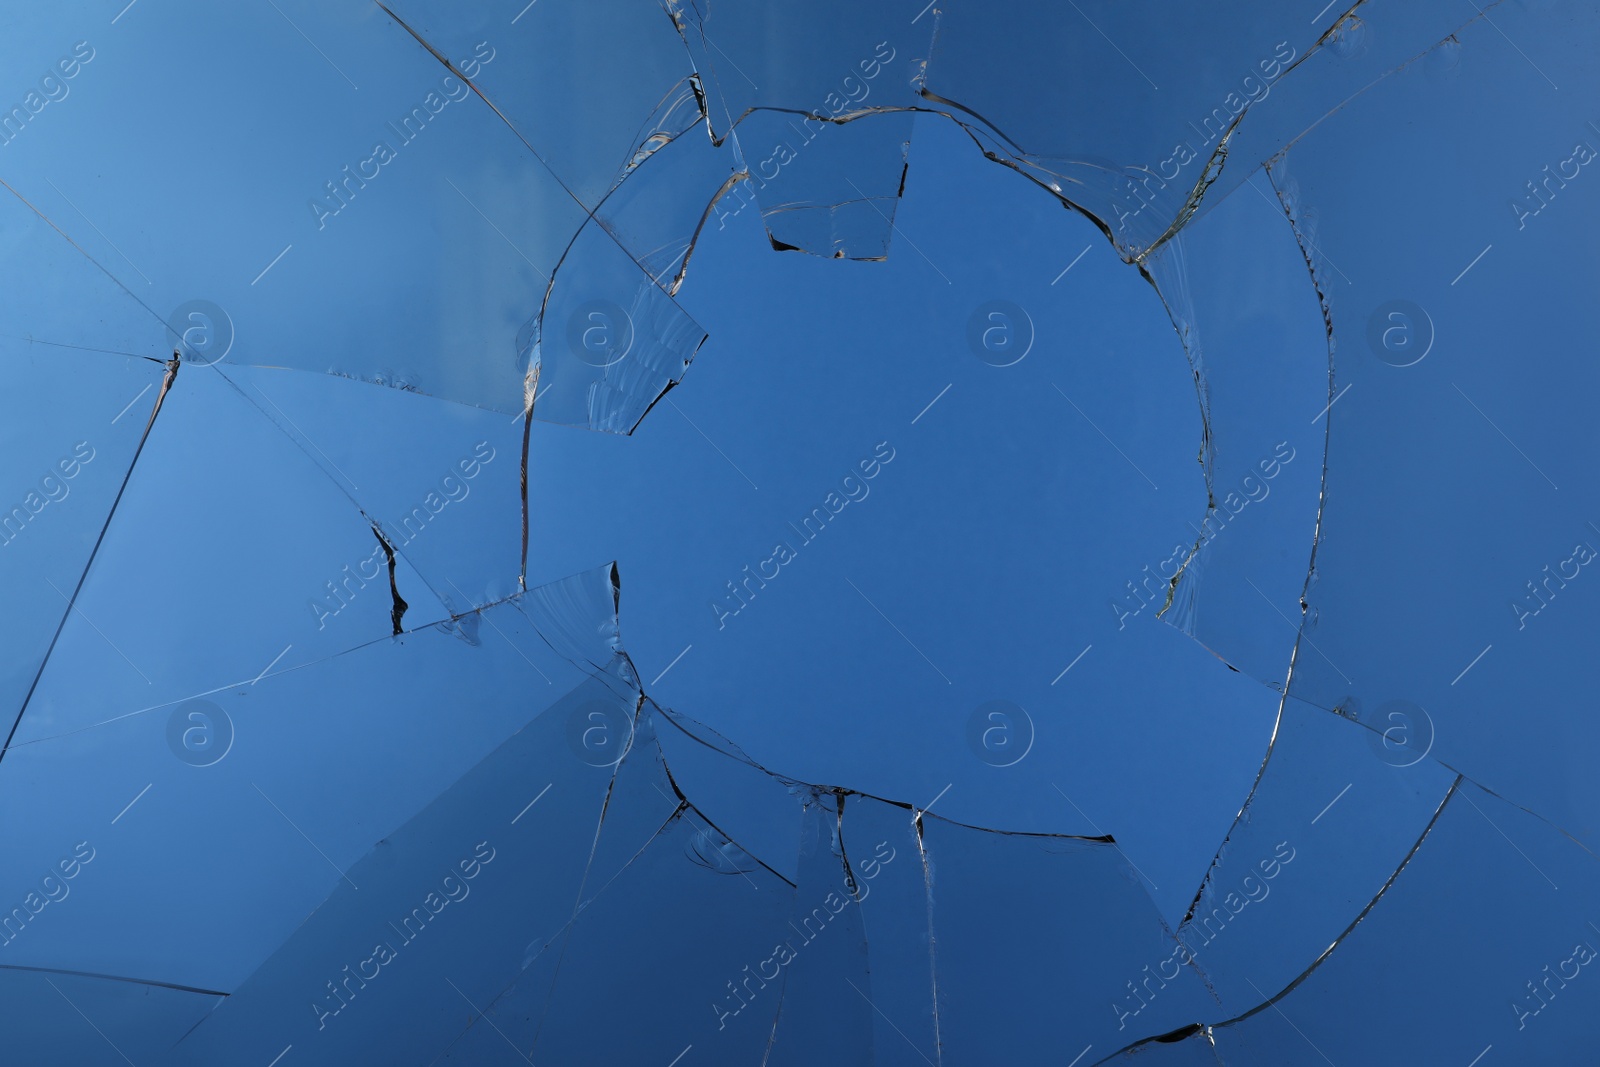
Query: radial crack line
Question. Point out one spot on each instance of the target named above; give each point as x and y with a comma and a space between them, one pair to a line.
933, 941
453, 69
114, 978
81, 251
166, 384
1272, 1002
513, 598
1450, 793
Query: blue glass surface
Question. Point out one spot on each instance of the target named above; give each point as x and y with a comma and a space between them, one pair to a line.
662, 532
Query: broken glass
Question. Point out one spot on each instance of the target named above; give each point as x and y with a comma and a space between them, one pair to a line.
1115, 595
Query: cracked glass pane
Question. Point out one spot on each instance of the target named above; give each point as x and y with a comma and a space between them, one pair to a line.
663, 532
